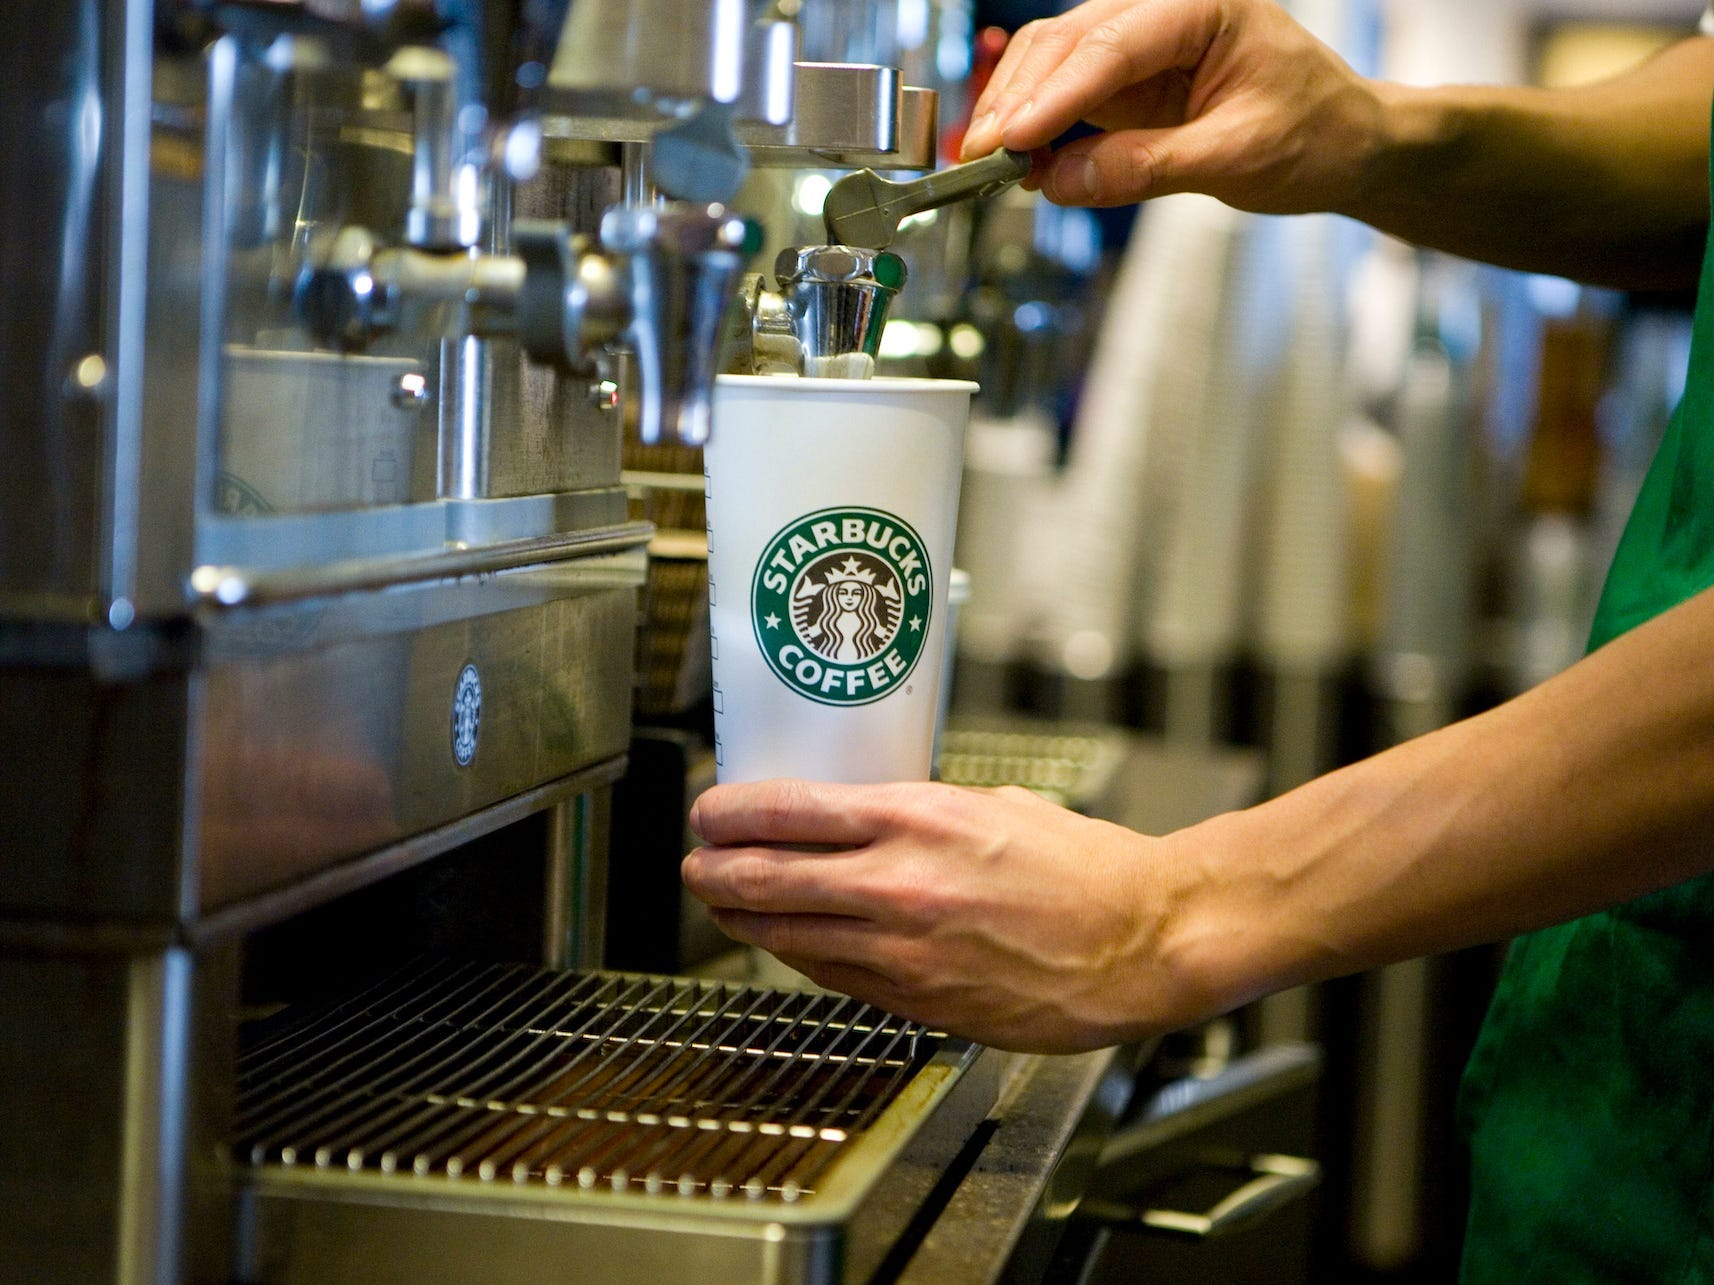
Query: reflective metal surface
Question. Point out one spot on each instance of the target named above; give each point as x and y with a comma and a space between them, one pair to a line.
345, 747
841, 107
369, 558
835, 298
844, 116
574, 922
121, 1183
370, 449
1009, 1213
1206, 1178
866, 209
682, 265
627, 1084
84, 836
558, 432
851, 115
246, 155
307, 735
646, 57
68, 76
310, 151
658, 285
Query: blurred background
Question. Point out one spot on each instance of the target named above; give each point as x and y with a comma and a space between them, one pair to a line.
1278, 486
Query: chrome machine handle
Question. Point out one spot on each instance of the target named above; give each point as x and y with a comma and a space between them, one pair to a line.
1269, 1183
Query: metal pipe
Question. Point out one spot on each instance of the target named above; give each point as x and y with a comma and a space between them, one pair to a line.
435, 219
467, 371
634, 185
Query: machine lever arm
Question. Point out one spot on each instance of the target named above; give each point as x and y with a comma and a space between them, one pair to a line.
864, 209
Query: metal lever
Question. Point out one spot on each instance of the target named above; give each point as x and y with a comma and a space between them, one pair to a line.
865, 209
1268, 1182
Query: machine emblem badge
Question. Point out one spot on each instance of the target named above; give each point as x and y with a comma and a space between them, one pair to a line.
840, 604
466, 714
232, 494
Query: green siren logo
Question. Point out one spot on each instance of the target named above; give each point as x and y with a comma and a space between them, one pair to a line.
841, 604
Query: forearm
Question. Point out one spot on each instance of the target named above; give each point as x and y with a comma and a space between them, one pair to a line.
1592, 789
1605, 183
1018, 923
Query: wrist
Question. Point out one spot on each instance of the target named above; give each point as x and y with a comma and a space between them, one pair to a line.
1400, 137
1218, 938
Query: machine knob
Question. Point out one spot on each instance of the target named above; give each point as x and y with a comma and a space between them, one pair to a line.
571, 299
343, 301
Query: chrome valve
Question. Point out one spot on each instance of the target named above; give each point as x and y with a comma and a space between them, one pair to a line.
826, 317
681, 265
657, 285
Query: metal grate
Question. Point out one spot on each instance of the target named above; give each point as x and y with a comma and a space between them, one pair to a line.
506, 1073
1069, 769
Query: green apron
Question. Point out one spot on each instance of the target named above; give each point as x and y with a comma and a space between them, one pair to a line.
1589, 1099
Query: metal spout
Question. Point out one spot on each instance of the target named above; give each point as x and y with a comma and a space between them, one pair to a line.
837, 297
681, 265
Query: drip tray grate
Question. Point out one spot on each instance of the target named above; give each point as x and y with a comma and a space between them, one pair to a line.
1068, 768
510, 1076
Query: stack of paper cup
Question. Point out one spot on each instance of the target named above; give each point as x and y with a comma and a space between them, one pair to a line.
831, 510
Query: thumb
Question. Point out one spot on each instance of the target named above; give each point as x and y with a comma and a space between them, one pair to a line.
1131, 165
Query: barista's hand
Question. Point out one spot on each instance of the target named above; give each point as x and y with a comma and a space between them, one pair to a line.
1228, 97
990, 913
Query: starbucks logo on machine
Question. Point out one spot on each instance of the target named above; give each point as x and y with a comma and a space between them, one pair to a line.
841, 602
466, 715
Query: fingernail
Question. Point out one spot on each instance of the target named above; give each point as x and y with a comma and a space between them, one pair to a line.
1017, 114
1075, 181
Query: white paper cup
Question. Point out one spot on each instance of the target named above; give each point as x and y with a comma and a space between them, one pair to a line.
957, 594
831, 510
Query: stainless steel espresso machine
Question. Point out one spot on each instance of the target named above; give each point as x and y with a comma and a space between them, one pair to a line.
321, 326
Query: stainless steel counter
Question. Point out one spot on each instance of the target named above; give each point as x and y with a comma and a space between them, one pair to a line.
1050, 1189
1005, 1217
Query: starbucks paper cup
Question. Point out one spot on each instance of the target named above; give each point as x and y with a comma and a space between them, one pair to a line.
957, 594
831, 510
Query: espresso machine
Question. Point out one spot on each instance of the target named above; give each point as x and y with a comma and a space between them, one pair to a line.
324, 322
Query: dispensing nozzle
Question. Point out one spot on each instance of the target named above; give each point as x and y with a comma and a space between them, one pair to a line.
827, 317
680, 264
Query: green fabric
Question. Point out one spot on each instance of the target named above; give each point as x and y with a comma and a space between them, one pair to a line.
1589, 1099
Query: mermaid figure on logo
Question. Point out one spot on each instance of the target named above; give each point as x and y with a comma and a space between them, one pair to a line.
852, 618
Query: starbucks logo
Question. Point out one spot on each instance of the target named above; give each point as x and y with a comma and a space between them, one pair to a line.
841, 604
466, 715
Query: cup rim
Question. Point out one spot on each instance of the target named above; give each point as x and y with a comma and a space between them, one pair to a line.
892, 383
